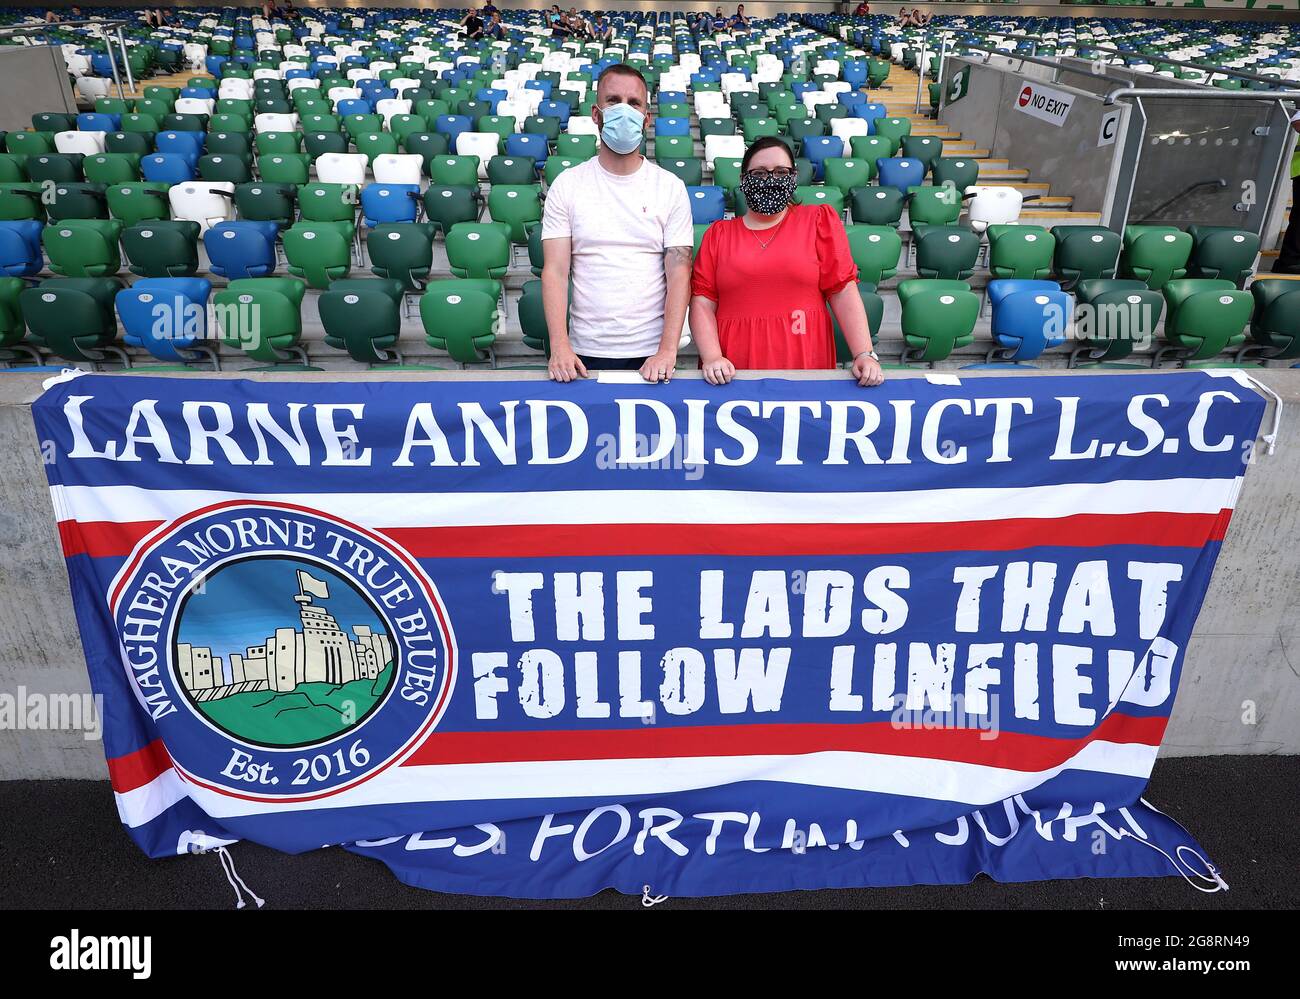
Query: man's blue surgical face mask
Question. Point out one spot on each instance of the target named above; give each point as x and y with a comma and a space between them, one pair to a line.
620, 127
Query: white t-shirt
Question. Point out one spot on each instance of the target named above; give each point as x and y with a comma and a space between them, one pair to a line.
619, 227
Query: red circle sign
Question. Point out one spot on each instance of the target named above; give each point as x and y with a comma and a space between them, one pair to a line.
1026, 94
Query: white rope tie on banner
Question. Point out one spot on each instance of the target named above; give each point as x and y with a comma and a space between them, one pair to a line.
1270, 438
232, 875
648, 900
1179, 864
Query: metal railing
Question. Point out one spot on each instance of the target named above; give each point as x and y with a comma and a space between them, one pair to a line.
106, 25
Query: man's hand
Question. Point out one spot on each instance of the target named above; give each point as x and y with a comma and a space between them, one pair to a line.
565, 366
717, 370
867, 371
659, 368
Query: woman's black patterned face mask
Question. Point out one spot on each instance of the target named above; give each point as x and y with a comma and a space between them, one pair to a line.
768, 193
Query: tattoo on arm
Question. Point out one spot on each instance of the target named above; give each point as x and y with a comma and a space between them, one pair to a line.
678, 255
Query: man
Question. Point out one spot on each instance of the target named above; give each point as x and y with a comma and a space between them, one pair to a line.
740, 20
1288, 260
620, 228
473, 24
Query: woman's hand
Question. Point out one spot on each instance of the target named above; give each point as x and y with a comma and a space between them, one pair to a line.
867, 371
717, 370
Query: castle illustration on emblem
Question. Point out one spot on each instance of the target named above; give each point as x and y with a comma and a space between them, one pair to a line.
307, 679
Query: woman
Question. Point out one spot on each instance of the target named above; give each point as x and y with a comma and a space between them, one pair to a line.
762, 281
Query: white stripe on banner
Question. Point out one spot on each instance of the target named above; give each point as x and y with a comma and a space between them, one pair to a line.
120, 504
942, 780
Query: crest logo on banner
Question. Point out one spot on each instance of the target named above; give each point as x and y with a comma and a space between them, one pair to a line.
282, 652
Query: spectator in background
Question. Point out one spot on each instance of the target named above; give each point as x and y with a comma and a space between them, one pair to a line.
555, 20
472, 23
740, 20
494, 28
603, 29
719, 22
1288, 259
918, 19
617, 239
904, 19
762, 281
862, 10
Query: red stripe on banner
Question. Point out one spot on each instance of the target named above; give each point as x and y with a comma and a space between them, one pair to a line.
109, 539
1008, 750
1188, 530
139, 768
103, 538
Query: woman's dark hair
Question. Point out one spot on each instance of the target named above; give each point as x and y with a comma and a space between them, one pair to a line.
758, 145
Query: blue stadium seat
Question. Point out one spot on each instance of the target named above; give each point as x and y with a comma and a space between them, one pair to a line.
20, 248
1029, 317
382, 203
191, 144
900, 172
818, 148
95, 121
241, 249
167, 168
528, 144
708, 204
165, 316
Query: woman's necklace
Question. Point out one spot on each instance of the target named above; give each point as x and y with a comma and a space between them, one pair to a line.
776, 230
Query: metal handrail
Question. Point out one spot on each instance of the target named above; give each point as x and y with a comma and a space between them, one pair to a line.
106, 23
1204, 93
1210, 69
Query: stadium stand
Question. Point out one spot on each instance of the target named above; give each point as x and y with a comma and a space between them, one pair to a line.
374, 182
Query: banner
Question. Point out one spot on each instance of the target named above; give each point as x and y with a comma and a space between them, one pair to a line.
522, 638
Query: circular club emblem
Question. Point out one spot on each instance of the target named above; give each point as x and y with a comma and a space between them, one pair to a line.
283, 654
1026, 95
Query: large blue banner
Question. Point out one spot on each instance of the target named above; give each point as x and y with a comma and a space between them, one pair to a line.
539, 640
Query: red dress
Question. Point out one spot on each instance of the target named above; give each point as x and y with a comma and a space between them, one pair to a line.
771, 303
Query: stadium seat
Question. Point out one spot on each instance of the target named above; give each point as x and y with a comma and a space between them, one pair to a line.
83, 247
402, 252
1114, 317
73, 318
319, 252
363, 317
242, 249
13, 329
461, 318
946, 252
1085, 253
1155, 255
479, 249
877, 205
204, 203
168, 318
1020, 252
263, 318
55, 168
1203, 317
938, 318
900, 173
1275, 323
20, 248
1222, 252
164, 248
516, 205
876, 250
1029, 317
